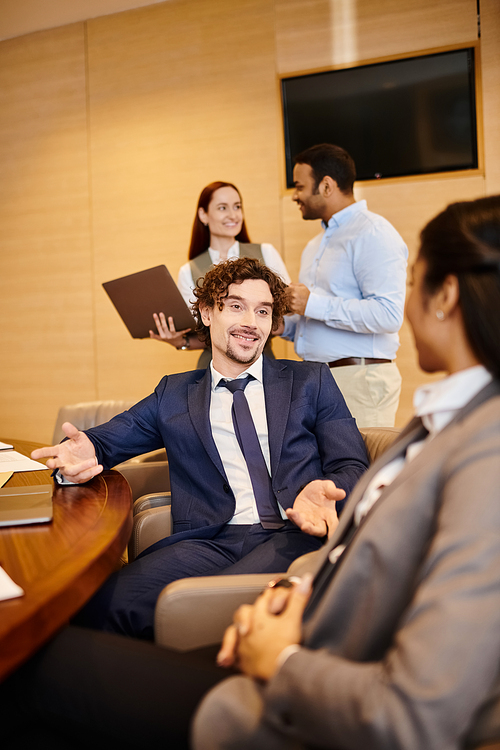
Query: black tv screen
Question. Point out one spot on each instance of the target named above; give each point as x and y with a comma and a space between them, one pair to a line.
403, 117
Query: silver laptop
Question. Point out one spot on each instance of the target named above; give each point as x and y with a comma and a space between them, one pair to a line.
22, 505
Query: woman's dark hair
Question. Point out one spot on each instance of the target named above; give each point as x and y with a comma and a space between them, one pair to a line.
200, 236
464, 241
213, 289
334, 161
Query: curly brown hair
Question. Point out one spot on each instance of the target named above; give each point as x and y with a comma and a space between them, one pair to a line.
213, 289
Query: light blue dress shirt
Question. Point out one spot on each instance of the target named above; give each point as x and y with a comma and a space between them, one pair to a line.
356, 273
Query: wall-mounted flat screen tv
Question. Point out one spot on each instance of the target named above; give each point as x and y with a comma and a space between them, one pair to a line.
403, 117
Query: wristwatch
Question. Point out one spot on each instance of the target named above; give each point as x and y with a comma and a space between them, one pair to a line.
185, 344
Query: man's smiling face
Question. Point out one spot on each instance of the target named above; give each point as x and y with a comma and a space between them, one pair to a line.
240, 330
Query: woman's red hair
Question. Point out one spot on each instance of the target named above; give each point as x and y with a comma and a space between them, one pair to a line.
200, 236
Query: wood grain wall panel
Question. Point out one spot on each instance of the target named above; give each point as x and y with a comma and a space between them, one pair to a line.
20, 17
314, 34
490, 56
181, 94
46, 332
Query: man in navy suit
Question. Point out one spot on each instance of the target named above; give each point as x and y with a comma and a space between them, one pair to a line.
310, 444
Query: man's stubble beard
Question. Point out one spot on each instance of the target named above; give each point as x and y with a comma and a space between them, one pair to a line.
231, 354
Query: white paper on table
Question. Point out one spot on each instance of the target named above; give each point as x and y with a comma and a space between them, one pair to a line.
14, 461
8, 589
5, 446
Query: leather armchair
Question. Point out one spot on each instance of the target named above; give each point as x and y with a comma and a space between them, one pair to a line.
194, 612
146, 473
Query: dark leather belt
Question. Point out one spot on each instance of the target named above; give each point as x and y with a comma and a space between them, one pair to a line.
357, 361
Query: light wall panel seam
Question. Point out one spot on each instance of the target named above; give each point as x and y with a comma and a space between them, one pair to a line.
90, 204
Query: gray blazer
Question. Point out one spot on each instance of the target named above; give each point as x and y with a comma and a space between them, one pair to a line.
402, 642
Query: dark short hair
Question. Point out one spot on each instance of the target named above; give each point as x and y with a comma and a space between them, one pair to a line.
213, 289
200, 234
334, 161
464, 241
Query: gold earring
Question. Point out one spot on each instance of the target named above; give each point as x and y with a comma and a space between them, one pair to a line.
439, 314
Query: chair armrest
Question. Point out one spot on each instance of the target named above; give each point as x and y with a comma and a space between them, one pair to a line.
153, 500
145, 477
194, 612
144, 458
378, 439
307, 563
149, 527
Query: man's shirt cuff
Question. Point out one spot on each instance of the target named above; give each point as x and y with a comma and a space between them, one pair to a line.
60, 479
318, 307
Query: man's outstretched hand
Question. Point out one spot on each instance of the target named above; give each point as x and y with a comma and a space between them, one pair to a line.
314, 508
75, 458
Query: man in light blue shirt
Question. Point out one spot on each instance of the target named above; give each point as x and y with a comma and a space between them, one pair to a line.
349, 301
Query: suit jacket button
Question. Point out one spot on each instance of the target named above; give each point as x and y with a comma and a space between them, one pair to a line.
226, 488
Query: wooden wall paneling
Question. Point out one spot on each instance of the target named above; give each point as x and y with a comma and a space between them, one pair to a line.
46, 332
180, 94
20, 17
314, 34
490, 65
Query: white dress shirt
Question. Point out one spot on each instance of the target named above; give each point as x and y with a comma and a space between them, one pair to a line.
227, 445
436, 404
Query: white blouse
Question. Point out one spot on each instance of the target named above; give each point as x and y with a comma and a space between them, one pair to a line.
271, 256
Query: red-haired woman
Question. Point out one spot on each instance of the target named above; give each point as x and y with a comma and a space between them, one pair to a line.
219, 232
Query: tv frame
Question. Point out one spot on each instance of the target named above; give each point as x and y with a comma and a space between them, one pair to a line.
475, 90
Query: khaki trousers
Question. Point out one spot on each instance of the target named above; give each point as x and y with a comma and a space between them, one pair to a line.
371, 392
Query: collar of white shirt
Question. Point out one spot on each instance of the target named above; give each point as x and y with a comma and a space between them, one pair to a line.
437, 403
233, 252
255, 370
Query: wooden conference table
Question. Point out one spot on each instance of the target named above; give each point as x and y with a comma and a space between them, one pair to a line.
59, 564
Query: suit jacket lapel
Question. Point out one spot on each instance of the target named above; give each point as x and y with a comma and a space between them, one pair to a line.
413, 432
278, 380
199, 395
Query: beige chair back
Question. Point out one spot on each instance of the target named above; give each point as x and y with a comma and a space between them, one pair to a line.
87, 414
147, 473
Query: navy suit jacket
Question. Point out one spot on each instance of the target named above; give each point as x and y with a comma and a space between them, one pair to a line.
311, 436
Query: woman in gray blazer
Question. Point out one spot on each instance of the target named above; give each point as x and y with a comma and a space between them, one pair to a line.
391, 640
